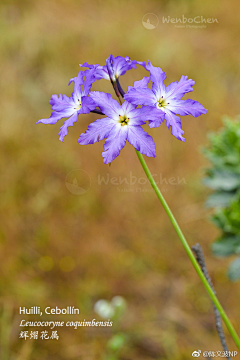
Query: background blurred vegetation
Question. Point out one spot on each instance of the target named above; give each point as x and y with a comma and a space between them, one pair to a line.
224, 178
57, 248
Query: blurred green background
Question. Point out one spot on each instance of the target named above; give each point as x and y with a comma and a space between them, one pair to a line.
61, 249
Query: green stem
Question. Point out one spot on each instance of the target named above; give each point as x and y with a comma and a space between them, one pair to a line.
189, 251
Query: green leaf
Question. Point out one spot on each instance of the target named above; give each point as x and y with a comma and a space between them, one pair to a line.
222, 180
224, 150
220, 199
228, 218
234, 270
227, 245
219, 219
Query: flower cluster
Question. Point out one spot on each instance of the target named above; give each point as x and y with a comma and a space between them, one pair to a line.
124, 119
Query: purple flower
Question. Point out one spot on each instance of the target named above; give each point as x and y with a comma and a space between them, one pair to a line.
166, 99
123, 123
115, 67
70, 107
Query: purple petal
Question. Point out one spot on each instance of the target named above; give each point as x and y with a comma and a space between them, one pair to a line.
115, 142
142, 63
139, 116
187, 107
62, 107
54, 118
174, 122
109, 65
115, 66
100, 71
69, 122
141, 96
78, 81
127, 108
85, 78
140, 83
143, 142
176, 90
106, 103
157, 77
156, 123
120, 64
89, 79
90, 66
62, 103
98, 130
87, 105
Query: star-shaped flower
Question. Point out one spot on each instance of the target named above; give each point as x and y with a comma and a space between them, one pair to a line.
166, 99
123, 123
70, 107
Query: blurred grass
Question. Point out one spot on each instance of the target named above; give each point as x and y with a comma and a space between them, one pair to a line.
57, 248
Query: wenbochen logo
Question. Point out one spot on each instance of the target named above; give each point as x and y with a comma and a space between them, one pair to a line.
150, 21
78, 181
196, 353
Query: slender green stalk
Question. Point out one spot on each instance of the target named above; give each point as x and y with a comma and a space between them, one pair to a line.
189, 252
